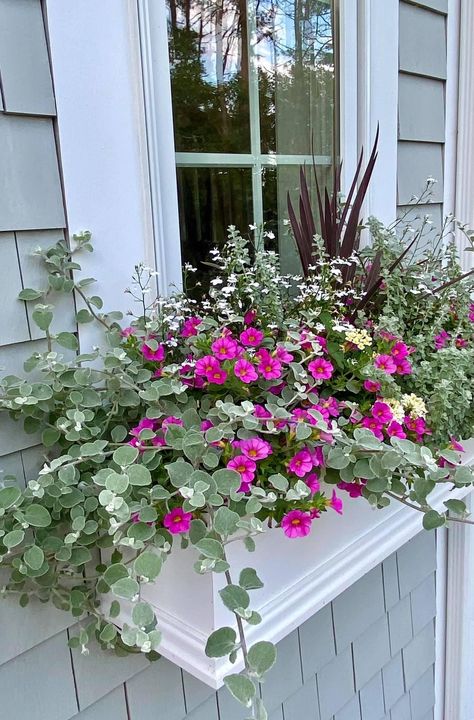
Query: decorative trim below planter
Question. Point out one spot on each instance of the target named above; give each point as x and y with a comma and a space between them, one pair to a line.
311, 572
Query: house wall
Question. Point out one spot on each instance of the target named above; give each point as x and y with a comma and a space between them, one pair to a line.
370, 653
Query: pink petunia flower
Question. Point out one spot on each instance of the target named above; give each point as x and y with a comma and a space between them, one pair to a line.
256, 448
456, 445
261, 412
460, 342
190, 326
381, 412
331, 405
126, 332
152, 355
250, 316
225, 348
385, 363
441, 340
205, 425
321, 369
283, 355
217, 376
296, 523
269, 368
245, 371
172, 420
177, 521
144, 424
322, 342
404, 367
374, 426
354, 488
301, 463
372, 385
395, 430
399, 351
312, 481
251, 337
336, 503
206, 365
317, 456
244, 466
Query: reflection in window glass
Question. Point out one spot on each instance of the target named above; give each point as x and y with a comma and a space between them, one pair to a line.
211, 199
209, 75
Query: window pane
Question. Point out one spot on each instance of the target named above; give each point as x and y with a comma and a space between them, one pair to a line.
295, 52
277, 182
209, 75
211, 199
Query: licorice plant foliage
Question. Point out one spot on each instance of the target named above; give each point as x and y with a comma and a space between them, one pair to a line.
259, 407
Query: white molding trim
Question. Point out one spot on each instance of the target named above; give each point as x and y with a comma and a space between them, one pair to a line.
348, 101
452, 91
464, 207
161, 151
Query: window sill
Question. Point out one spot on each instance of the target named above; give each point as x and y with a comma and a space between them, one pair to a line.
300, 576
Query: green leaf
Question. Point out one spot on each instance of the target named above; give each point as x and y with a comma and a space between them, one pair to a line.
34, 557
115, 572
279, 482
262, 657
125, 455
464, 476
242, 688
363, 470
433, 519
249, 543
143, 615
126, 588
108, 633
179, 472
29, 294
139, 475
197, 531
80, 556
84, 316
118, 433
456, 506
141, 531
13, 538
42, 318
50, 436
114, 609
249, 579
211, 548
377, 485
225, 521
227, 481
148, 565
9, 496
117, 483
233, 597
67, 340
37, 516
221, 642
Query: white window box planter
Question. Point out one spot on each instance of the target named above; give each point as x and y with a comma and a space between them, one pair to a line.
300, 576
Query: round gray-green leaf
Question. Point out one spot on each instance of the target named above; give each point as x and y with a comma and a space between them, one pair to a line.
262, 657
9, 496
148, 565
37, 516
125, 455
242, 688
142, 614
126, 588
221, 642
13, 538
34, 557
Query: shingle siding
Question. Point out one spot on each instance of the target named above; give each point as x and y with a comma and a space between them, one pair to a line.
367, 655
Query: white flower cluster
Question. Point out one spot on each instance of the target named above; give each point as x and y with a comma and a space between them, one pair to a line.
359, 338
415, 406
396, 407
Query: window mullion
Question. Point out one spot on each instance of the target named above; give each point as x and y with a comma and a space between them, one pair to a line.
254, 111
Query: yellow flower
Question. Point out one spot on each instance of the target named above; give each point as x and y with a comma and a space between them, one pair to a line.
360, 338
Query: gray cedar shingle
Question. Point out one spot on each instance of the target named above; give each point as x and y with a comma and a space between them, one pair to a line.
13, 319
317, 641
371, 699
11, 466
285, 677
39, 684
195, 691
401, 711
351, 711
422, 41
416, 217
98, 673
419, 655
399, 621
393, 685
302, 704
427, 96
371, 651
422, 695
390, 581
438, 5
13, 437
416, 560
417, 162
206, 711
335, 684
30, 188
34, 276
111, 707
357, 608
423, 603
24, 62
156, 693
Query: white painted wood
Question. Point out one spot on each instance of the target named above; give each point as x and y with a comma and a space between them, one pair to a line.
348, 102
440, 620
451, 94
310, 572
464, 207
377, 92
101, 123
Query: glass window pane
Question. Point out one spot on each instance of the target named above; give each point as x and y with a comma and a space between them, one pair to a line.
208, 48
295, 51
277, 182
211, 199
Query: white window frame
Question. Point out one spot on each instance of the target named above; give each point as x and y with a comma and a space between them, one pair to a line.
368, 97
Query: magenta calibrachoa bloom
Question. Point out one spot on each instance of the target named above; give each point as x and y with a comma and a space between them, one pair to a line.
296, 524
177, 521
321, 369
256, 449
148, 353
301, 463
385, 363
245, 371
